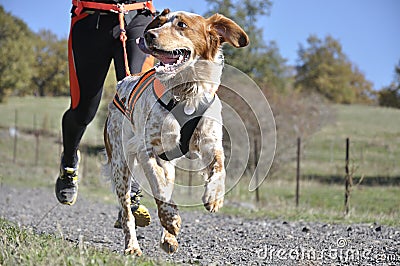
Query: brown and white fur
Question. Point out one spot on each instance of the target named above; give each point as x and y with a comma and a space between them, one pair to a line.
153, 130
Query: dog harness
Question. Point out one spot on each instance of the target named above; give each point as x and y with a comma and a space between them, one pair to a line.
187, 122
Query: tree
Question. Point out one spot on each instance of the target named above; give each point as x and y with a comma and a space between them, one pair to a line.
260, 60
16, 54
390, 96
325, 69
50, 77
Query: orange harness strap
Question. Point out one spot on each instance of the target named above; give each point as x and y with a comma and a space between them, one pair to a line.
121, 9
126, 106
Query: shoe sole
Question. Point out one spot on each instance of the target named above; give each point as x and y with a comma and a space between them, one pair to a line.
69, 203
142, 219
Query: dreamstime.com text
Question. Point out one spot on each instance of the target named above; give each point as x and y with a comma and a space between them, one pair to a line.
341, 252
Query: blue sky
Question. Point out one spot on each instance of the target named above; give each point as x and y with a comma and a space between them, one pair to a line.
369, 30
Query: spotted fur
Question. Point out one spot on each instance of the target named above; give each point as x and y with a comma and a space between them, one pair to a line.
153, 130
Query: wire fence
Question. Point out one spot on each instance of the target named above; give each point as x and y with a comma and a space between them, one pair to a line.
338, 160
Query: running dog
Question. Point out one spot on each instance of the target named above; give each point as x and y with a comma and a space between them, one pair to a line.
168, 111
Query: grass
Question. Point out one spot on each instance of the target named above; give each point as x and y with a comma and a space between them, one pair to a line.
21, 246
317, 202
374, 134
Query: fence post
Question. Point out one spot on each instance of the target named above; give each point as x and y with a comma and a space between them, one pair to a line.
255, 167
36, 133
15, 136
348, 179
298, 171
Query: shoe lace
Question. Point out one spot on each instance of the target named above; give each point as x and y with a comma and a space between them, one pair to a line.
135, 198
69, 173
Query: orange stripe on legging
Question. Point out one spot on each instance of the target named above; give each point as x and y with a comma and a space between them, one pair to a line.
148, 63
73, 78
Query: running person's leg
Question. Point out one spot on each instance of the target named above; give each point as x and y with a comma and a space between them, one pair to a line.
90, 56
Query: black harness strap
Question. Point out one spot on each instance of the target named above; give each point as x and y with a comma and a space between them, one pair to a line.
119, 104
188, 124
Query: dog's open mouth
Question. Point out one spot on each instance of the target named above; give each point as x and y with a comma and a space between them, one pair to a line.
170, 61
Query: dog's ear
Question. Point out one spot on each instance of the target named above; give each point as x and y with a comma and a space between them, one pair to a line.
158, 21
165, 11
228, 31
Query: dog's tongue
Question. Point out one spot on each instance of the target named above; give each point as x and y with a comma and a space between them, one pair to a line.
165, 58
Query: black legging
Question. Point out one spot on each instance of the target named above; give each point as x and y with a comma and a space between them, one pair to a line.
93, 43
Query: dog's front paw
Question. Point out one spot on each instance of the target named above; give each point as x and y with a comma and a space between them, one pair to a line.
213, 205
134, 251
168, 242
213, 199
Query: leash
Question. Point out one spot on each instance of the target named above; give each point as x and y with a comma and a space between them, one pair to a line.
122, 35
121, 10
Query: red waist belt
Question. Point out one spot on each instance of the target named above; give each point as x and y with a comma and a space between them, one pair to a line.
117, 8
121, 9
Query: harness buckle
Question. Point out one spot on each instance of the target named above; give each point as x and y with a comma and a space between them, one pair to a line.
120, 9
78, 8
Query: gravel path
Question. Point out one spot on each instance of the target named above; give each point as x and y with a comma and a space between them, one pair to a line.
208, 238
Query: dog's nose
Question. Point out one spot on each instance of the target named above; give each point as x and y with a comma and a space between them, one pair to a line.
150, 37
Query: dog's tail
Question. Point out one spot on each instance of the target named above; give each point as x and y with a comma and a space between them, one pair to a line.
106, 165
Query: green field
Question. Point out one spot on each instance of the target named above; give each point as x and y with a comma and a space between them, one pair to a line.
374, 134
375, 153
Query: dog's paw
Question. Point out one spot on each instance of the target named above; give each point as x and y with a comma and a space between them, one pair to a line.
169, 217
133, 251
213, 197
168, 242
214, 206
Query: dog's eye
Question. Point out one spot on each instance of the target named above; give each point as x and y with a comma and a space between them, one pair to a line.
182, 24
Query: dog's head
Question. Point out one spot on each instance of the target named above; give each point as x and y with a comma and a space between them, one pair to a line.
179, 39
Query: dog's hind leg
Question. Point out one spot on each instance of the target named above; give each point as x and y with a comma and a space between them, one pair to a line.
128, 220
161, 177
120, 176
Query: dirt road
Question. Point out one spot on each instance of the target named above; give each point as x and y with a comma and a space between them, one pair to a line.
208, 238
